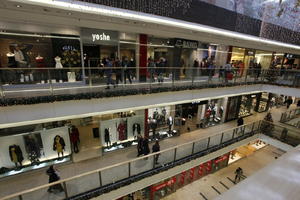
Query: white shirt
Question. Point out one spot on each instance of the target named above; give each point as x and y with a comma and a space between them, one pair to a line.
19, 57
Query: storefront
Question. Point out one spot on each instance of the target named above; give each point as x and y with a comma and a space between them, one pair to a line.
33, 50
41, 147
245, 105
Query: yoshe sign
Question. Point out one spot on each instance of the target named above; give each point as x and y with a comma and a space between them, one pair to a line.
98, 36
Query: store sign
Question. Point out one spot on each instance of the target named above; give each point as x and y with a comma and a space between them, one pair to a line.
221, 159
291, 56
250, 52
98, 36
167, 183
188, 44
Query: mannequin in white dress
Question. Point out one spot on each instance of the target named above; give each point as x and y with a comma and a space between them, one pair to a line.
58, 64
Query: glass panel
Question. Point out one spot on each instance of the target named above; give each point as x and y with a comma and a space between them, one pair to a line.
200, 145
83, 184
141, 165
183, 151
43, 194
166, 157
215, 140
227, 136
114, 174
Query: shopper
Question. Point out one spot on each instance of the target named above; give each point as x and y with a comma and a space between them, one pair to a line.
238, 174
74, 137
298, 103
288, 102
125, 65
146, 149
108, 73
156, 148
240, 121
151, 69
118, 71
140, 148
53, 177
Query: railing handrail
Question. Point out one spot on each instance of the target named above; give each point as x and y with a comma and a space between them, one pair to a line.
116, 165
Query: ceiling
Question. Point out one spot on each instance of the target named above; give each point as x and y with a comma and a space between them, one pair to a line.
38, 17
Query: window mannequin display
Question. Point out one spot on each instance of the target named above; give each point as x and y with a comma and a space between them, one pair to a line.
58, 66
59, 145
107, 137
40, 63
74, 137
122, 131
136, 129
170, 123
16, 155
32, 149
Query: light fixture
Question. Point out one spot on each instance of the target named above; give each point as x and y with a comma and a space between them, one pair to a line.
69, 13
18, 6
132, 15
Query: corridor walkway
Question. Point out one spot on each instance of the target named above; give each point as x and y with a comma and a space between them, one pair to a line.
18, 183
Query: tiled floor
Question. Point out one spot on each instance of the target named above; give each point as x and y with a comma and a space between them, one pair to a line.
11, 185
250, 165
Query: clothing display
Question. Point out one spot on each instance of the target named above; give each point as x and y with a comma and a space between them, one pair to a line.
107, 137
33, 150
136, 129
58, 64
122, 131
74, 137
11, 60
40, 62
16, 155
59, 145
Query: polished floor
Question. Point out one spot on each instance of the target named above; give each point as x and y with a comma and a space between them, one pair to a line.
211, 186
25, 181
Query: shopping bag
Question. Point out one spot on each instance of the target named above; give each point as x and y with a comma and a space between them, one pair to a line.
229, 76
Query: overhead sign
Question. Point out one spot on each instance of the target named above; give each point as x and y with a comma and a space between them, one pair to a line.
291, 56
188, 44
98, 36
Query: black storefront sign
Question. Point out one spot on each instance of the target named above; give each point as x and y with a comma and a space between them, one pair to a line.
186, 44
291, 56
99, 37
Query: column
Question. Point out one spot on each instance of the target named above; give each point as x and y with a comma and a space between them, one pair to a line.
143, 57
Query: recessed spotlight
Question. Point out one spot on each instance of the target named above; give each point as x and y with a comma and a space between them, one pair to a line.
18, 6
69, 13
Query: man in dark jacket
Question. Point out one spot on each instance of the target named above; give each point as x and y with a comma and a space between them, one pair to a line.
53, 176
140, 148
156, 148
240, 121
146, 149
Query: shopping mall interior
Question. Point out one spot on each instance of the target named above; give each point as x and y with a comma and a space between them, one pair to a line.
149, 100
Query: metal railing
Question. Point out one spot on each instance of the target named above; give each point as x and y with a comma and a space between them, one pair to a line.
53, 81
289, 115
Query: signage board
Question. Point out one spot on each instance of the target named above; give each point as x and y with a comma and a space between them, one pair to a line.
98, 36
187, 44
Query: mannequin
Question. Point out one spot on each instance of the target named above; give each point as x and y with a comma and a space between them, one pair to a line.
59, 145
107, 137
11, 60
74, 137
33, 150
58, 64
136, 129
122, 130
170, 123
40, 63
16, 155
153, 125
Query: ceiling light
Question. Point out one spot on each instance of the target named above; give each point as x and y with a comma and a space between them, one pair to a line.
18, 6
69, 13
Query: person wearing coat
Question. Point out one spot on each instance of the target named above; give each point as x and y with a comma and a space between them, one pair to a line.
74, 137
146, 149
59, 145
53, 176
16, 155
156, 148
140, 147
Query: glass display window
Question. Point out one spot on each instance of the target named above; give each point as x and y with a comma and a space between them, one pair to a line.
33, 150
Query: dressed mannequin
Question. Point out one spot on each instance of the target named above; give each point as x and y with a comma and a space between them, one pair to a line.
107, 137
11, 60
59, 145
122, 130
16, 155
40, 63
170, 123
136, 129
33, 150
74, 137
153, 126
58, 64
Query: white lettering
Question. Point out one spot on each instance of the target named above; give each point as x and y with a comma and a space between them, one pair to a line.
100, 37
